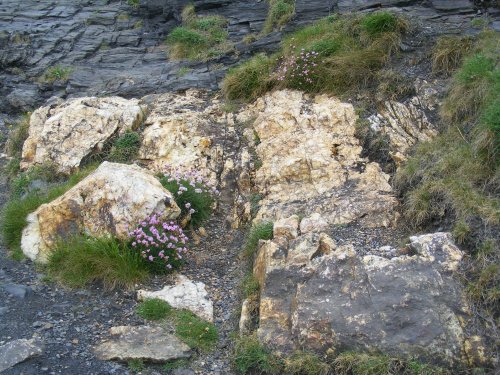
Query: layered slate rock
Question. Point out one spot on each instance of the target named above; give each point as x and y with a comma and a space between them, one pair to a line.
185, 294
187, 132
147, 343
17, 351
110, 201
64, 133
311, 162
318, 296
406, 123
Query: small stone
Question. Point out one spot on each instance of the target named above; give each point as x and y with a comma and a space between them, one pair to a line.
287, 227
18, 351
16, 290
147, 343
185, 294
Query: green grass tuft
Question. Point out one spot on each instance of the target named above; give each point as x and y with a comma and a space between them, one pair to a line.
199, 37
80, 261
250, 356
154, 309
125, 148
261, 231
194, 331
448, 53
279, 13
351, 50
18, 132
56, 73
302, 363
136, 365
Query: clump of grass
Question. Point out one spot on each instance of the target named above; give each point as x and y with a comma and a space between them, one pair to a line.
394, 86
448, 53
250, 356
153, 309
179, 363
80, 261
261, 231
18, 132
125, 148
136, 365
334, 55
302, 363
56, 73
16, 210
279, 13
249, 80
134, 3
199, 37
183, 71
20, 184
194, 331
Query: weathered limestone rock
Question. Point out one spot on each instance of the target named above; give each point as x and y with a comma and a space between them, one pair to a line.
148, 343
185, 294
112, 199
311, 162
184, 131
63, 133
407, 123
318, 296
17, 351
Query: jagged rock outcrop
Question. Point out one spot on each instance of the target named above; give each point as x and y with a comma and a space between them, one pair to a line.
110, 201
64, 133
311, 162
185, 294
184, 131
406, 123
319, 296
147, 343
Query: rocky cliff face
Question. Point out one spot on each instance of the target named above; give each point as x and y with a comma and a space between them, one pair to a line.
111, 48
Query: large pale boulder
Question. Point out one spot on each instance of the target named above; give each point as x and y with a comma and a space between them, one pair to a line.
321, 297
64, 133
187, 131
311, 161
110, 201
147, 343
406, 123
185, 294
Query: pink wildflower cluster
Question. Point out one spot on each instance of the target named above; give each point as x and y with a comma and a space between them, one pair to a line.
199, 183
162, 243
298, 69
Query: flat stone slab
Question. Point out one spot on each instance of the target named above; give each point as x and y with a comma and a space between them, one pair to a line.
185, 294
17, 351
147, 343
16, 290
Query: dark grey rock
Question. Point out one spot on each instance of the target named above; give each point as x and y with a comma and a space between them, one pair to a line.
18, 351
16, 290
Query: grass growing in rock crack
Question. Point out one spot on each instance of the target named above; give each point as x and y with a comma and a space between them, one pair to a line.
18, 132
194, 331
251, 357
199, 37
453, 180
278, 15
153, 309
80, 261
125, 148
448, 53
337, 54
179, 363
261, 231
56, 73
136, 365
15, 211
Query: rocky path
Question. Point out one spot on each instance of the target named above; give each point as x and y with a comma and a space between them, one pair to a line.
71, 322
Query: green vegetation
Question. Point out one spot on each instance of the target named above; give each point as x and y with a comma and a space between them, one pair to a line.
18, 132
261, 231
456, 175
125, 148
194, 331
199, 37
153, 309
448, 53
136, 365
394, 86
197, 197
56, 73
80, 261
134, 3
279, 13
183, 71
337, 54
16, 210
179, 363
250, 356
